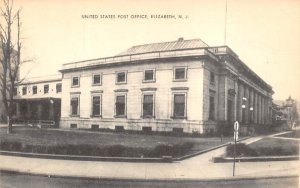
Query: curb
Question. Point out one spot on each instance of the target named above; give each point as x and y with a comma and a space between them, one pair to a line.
235, 178
164, 159
255, 159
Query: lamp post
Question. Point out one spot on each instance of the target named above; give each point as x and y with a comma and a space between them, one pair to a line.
251, 112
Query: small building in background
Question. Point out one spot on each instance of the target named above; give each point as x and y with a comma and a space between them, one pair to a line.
286, 113
38, 101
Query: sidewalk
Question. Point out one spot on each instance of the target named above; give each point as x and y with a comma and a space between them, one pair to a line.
197, 168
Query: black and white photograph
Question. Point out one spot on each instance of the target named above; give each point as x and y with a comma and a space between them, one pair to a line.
139, 93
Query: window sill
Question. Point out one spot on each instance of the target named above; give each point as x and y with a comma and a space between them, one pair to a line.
148, 81
75, 86
121, 83
182, 117
148, 117
96, 116
97, 84
180, 80
74, 115
120, 116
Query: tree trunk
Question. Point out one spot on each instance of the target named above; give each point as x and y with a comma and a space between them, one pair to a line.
9, 128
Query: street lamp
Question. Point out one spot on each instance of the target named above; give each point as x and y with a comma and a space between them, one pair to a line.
251, 110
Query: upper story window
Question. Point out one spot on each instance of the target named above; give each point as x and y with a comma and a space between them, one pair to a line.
149, 75
180, 73
34, 90
58, 87
24, 90
121, 77
75, 81
46, 88
212, 78
97, 79
15, 91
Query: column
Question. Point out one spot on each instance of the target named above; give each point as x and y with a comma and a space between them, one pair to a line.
240, 102
51, 110
263, 109
18, 114
246, 109
28, 110
40, 110
255, 108
251, 106
259, 110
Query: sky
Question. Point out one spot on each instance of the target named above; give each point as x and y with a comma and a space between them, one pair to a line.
265, 34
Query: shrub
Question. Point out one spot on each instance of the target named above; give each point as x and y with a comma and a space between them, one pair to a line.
11, 146
240, 150
171, 150
107, 151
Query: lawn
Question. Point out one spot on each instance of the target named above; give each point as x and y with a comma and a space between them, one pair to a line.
89, 139
266, 147
293, 134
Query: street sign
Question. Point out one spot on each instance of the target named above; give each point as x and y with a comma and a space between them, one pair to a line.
236, 135
236, 126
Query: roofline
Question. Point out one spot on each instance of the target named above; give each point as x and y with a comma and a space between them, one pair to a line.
157, 51
233, 54
206, 52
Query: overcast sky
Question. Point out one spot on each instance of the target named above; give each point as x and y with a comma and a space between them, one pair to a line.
264, 33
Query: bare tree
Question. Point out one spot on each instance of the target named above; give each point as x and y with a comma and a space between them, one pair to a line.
10, 56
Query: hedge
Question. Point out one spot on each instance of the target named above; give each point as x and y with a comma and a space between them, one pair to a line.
105, 151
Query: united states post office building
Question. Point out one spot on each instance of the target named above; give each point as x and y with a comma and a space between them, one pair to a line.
180, 86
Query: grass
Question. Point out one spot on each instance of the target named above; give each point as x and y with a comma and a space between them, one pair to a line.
266, 147
293, 134
43, 140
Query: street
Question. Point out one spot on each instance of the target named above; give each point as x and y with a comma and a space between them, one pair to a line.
20, 180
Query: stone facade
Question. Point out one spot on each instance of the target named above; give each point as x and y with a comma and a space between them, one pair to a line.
219, 89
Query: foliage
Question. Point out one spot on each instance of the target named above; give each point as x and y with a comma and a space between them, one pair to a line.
105, 151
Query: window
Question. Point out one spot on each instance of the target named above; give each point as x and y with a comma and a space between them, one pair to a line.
15, 91
58, 88
46, 88
75, 81
179, 106
34, 90
121, 77
97, 79
211, 115
148, 107
24, 90
149, 75
73, 126
212, 78
75, 105
180, 73
120, 105
96, 105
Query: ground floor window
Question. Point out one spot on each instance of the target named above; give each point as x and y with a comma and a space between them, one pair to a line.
148, 105
211, 115
96, 105
74, 105
179, 105
120, 105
